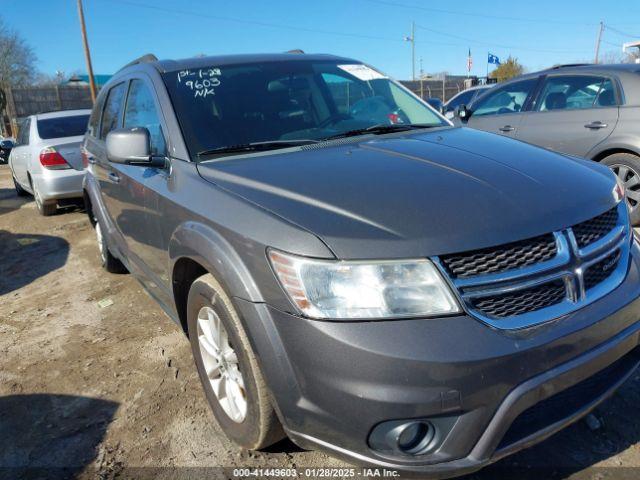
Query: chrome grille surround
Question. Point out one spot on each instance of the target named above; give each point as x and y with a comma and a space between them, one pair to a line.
568, 265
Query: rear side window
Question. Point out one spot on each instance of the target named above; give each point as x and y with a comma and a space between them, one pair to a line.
112, 110
62, 126
141, 112
23, 136
575, 92
508, 99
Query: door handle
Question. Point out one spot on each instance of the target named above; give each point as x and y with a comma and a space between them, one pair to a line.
595, 125
507, 129
114, 177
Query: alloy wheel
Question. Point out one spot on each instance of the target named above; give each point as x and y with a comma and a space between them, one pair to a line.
101, 245
221, 365
631, 180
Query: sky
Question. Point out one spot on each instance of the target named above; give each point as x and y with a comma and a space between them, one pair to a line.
539, 33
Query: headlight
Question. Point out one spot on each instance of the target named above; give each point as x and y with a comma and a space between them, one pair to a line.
363, 289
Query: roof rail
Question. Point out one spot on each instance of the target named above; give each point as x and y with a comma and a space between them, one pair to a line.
295, 51
149, 57
567, 65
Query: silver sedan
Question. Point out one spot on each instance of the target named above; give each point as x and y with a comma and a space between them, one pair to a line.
46, 160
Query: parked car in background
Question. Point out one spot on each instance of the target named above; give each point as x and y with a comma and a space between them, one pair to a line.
435, 103
590, 111
353, 271
46, 161
6, 144
466, 97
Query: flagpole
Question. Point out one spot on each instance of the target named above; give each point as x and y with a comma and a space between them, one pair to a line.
487, 67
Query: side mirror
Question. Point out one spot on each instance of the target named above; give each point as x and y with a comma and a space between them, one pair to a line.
462, 112
130, 146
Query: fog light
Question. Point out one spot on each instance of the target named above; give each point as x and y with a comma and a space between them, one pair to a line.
414, 438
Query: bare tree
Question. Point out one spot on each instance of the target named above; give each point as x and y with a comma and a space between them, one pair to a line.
17, 59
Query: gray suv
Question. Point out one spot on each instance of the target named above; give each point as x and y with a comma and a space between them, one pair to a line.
591, 111
353, 271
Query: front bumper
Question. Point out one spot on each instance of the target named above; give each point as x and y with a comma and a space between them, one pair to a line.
333, 382
59, 184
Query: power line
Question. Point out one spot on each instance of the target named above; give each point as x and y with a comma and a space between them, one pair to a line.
615, 30
479, 15
254, 22
497, 45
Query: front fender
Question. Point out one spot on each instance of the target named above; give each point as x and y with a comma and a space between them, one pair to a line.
204, 245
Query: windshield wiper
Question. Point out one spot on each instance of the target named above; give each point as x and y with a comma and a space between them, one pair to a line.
255, 147
381, 128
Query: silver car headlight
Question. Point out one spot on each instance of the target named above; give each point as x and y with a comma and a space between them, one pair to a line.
332, 289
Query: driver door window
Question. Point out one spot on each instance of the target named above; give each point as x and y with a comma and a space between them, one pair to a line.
141, 112
508, 99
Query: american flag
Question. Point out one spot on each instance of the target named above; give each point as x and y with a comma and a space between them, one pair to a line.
469, 61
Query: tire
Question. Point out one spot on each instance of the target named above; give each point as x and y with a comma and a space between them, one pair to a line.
109, 262
45, 209
627, 167
260, 426
21, 192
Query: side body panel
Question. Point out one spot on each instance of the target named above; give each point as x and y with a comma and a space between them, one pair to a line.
566, 131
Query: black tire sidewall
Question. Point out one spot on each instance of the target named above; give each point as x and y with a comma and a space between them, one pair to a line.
633, 162
246, 433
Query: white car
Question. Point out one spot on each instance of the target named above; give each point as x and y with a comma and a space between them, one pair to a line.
46, 160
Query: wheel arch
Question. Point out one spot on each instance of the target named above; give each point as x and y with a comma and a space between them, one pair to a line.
612, 151
196, 249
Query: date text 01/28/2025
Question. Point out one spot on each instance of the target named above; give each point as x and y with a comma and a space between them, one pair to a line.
315, 473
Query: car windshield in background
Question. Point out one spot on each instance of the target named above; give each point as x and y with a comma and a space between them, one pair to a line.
280, 104
72, 126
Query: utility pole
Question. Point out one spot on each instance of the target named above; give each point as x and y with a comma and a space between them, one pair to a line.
421, 80
87, 55
412, 39
598, 42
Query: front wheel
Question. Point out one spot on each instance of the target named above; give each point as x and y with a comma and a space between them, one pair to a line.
626, 166
228, 368
109, 262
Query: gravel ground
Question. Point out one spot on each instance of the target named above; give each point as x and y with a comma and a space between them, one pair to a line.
96, 381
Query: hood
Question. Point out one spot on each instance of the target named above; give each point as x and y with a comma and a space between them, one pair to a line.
420, 194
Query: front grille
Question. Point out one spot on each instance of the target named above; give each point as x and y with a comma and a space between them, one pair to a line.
570, 401
592, 230
502, 258
494, 283
521, 301
598, 272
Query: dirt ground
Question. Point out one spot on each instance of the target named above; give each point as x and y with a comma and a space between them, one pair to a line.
97, 382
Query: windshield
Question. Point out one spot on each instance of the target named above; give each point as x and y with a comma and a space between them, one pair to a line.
226, 106
59, 127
